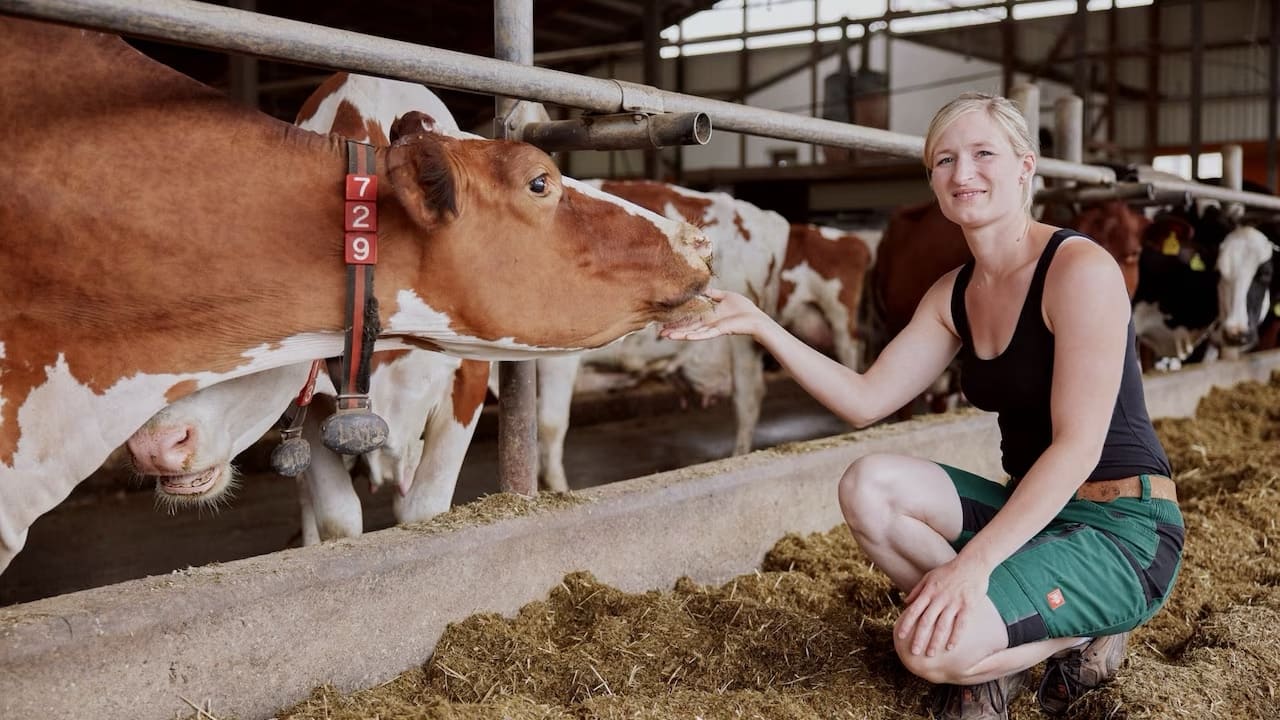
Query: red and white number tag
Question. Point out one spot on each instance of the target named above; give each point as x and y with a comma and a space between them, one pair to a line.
361, 217
361, 222
362, 187
361, 248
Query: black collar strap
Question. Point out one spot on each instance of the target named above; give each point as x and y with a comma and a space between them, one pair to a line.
354, 429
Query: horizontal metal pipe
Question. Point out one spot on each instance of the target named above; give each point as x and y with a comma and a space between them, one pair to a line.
220, 28
1086, 195
1211, 192
621, 131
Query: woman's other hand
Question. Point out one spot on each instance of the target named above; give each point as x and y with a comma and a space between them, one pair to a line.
730, 314
939, 606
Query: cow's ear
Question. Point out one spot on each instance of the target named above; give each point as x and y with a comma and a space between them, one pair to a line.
413, 122
423, 179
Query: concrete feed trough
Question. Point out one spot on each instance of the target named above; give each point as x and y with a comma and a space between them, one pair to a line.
253, 636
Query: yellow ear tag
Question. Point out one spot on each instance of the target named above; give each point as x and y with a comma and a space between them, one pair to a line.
1275, 309
1171, 245
1196, 263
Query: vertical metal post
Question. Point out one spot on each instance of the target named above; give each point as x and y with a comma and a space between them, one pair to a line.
1027, 97
1153, 81
744, 82
1233, 167
1197, 82
652, 72
815, 57
1082, 50
1273, 97
681, 79
1113, 69
242, 76
1008, 48
517, 387
1068, 130
611, 70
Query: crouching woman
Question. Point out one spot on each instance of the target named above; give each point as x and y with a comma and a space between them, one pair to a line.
1084, 541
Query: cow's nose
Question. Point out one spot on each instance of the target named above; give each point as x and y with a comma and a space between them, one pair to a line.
162, 450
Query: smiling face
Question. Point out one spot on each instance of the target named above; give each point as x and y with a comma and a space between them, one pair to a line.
975, 171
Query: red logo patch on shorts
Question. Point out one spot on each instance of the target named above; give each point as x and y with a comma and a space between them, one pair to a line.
1055, 599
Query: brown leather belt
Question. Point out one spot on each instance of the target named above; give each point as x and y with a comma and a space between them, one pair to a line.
1101, 491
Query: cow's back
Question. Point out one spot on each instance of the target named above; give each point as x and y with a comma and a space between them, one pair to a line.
919, 246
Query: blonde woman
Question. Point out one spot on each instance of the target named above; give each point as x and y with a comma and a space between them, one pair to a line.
1084, 541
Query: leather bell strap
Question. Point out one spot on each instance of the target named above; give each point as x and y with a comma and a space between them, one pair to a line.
361, 254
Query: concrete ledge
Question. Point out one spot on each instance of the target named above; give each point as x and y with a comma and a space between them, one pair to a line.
255, 635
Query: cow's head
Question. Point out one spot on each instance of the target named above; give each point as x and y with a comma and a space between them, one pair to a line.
188, 446
1119, 229
564, 265
1244, 285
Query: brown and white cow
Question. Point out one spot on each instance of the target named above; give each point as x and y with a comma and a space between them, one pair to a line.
431, 402
821, 293
750, 249
160, 239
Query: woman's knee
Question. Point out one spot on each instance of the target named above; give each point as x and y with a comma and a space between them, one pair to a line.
953, 667
868, 492
950, 667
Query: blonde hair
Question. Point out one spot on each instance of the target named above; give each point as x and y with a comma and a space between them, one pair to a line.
1002, 112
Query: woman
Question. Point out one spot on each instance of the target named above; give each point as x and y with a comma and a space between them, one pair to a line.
1084, 541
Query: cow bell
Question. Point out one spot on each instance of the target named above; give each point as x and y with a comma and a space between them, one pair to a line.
291, 457
354, 429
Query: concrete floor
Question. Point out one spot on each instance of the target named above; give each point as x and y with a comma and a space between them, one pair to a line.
109, 530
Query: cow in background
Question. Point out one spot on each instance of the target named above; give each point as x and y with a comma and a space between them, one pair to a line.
1176, 305
750, 250
1246, 286
820, 299
227, 224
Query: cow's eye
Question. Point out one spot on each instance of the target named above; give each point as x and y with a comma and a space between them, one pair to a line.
540, 185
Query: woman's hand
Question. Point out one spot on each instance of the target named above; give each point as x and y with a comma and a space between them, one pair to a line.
730, 314
938, 606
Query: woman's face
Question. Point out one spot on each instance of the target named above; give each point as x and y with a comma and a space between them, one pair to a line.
975, 172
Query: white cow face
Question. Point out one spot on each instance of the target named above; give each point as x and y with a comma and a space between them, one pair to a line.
1244, 281
188, 446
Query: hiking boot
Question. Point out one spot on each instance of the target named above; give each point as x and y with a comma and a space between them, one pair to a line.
1072, 673
987, 701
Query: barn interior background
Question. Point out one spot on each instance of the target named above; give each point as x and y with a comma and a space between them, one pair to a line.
1159, 84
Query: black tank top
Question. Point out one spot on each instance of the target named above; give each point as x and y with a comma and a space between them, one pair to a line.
1017, 383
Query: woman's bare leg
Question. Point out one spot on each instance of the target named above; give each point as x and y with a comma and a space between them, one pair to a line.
904, 512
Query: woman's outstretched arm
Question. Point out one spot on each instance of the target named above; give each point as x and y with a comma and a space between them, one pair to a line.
908, 365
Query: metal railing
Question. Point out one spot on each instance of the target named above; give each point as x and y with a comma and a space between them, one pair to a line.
220, 28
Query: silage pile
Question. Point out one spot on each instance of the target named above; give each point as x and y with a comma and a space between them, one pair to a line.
808, 635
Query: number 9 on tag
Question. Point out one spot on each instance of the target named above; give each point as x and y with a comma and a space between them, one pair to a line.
361, 249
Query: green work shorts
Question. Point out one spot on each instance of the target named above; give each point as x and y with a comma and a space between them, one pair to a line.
1096, 569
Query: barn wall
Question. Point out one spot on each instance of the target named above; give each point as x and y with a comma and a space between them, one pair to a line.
923, 78
255, 635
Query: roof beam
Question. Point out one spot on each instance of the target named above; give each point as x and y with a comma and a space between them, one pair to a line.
619, 6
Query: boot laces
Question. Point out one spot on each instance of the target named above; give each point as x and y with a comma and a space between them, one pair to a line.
1062, 676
